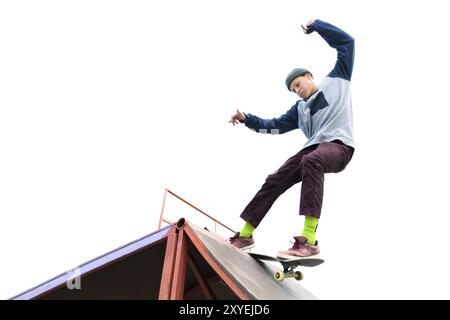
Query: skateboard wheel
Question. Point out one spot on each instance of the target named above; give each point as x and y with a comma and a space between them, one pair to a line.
298, 275
279, 276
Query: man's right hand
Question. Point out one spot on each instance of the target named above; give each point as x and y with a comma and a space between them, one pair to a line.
238, 116
306, 29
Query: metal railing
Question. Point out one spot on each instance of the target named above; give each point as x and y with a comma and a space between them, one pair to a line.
163, 219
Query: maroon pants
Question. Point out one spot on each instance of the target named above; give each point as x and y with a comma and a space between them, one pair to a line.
308, 166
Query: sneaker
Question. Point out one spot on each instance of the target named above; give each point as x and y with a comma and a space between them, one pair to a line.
241, 242
300, 249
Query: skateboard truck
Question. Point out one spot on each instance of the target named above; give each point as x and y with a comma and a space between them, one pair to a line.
288, 272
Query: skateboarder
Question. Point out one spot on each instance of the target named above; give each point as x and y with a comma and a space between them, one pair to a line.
324, 114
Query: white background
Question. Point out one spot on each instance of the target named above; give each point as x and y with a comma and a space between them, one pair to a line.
103, 104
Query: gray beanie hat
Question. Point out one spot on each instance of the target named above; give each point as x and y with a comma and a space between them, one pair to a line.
297, 72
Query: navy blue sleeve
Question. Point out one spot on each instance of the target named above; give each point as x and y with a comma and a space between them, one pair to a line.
285, 123
342, 42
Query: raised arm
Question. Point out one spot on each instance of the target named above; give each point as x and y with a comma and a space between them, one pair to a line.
341, 41
285, 123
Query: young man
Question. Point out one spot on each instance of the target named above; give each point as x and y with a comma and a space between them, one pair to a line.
324, 114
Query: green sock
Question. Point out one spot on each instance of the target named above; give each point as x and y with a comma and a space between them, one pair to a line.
247, 231
310, 228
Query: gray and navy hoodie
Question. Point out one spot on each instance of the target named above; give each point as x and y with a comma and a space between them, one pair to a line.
327, 114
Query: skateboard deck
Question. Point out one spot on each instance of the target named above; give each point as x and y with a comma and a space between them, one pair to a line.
289, 265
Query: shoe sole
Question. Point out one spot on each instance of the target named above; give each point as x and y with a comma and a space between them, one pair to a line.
289, 257
247, 247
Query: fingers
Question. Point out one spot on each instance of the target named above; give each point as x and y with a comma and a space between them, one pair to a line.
305, 29
235, 118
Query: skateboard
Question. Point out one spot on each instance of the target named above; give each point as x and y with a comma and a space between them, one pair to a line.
288, 265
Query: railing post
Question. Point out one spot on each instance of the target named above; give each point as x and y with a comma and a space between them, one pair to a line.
162, 209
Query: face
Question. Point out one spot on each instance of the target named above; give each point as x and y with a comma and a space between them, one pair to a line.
303, 86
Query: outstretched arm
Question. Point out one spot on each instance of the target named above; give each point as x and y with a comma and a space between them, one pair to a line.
341, 41
285, 123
